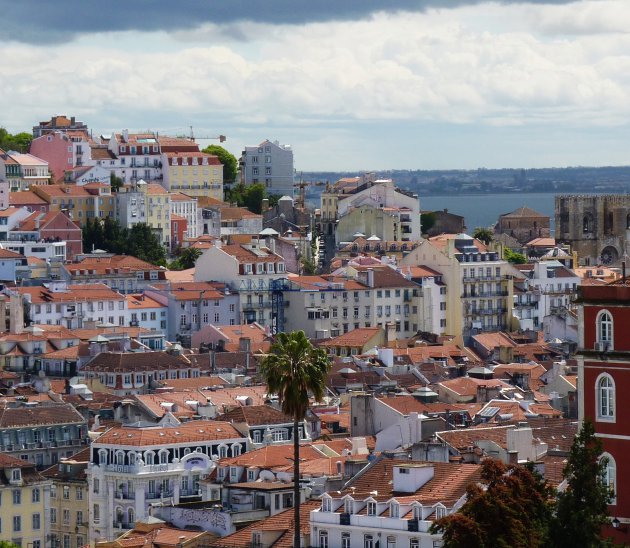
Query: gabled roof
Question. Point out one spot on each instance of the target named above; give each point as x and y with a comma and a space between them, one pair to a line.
524, 212
355, 338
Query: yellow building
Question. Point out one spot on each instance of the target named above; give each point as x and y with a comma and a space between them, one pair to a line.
193, 173
69, 510
24, 500
93, 200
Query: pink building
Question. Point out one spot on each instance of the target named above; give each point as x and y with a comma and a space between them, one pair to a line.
62, 151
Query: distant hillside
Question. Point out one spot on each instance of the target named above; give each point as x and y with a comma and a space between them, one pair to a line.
436, 182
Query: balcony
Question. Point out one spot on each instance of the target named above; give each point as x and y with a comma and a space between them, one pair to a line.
121, 495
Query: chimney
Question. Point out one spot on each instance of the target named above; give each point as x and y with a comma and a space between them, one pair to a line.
370, 277
125, 135
265, 204
390, 331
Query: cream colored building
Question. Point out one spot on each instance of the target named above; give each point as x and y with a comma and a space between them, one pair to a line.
24, 503
69, 507
480, 284
193, 173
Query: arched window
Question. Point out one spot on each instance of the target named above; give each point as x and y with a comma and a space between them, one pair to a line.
610, 475
605, 397
236, 449
131, 457
222, 451
605, 328
120, 457
163, 456
149, 457
102, 456
131, 517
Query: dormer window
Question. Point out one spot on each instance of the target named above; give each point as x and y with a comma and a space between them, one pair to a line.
371, 508
417, 512
270, 268
440, 512
394, 510
248, 269
260, 268
16, 474
347, 506
326, 504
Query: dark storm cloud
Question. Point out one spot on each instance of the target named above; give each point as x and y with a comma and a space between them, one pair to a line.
45, 21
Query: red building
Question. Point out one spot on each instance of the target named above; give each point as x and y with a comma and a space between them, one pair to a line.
179, 226
54, 226
604, 380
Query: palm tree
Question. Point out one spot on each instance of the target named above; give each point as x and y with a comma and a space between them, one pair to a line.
292, 369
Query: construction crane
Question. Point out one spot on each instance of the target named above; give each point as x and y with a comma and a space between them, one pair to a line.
301, 201
221, 138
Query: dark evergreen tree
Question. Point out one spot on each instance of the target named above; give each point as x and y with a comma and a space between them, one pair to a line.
582, 508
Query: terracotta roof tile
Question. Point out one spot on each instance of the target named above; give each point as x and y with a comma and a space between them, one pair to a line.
186, 432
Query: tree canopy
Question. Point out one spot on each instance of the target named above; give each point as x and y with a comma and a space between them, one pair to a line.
250, 196
514, 257
230, 164
138, 241
187, 259
484, 235
513, 511
20, 142
427, 221
582, 508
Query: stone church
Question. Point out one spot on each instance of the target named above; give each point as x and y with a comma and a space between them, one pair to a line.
596, 226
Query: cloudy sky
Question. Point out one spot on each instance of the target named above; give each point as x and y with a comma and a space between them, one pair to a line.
351, 84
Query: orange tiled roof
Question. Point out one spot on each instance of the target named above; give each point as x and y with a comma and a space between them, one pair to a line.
354, 338
186, 432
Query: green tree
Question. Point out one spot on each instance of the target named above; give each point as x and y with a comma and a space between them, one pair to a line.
187, 259
514, 510
582, 508
143, 243
230, 164
20, 142
484, 235
7, 544
115, 182
514, 257
427, 221
293, 369
309, 268
254, 197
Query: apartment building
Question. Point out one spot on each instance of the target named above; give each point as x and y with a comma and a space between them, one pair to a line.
186, 207
122, 273
147, 312
480, 284
51, 235
271, 164
24, 503
63, 150
249, 269
549, 289
382, 210
132, 467
193, 173
69, 507
41, 433
392, 503
73, 306
20, 172
147, 203
193, 305
91, 201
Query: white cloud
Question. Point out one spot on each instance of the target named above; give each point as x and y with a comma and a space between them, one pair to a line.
524, 65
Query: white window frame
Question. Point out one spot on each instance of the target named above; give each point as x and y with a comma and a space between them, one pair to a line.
605, 398
610, 476
605, 328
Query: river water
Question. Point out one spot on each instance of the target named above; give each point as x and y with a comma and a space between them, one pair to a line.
484, 209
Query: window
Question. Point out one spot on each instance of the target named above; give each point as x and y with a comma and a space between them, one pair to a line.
37, 522
326, 505
414, 543
610, 476
66, 517
79, 518
17, 497
368, 541
371, 508
345, 540
35, 495
323, 539
53, 515
97, 513
53, 490
17, 523
391, 542
605, 397
440, 512
16, 475
394, 510
605, 328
